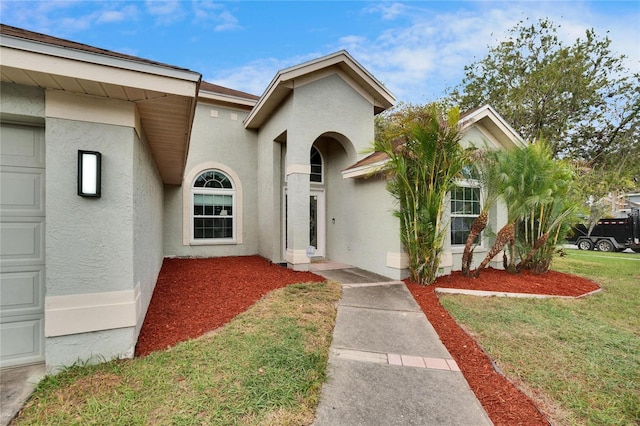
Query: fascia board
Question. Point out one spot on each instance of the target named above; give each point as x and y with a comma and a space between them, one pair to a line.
366, 170
38, 57
341, 59
488, 112
217, 97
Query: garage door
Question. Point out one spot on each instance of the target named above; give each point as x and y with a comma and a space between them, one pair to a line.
22, 232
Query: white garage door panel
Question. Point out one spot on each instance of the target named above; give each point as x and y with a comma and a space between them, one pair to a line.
22, 242
22, 291
22, 146
21, 342
21, 191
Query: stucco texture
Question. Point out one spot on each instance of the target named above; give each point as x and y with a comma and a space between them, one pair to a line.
218, 137
89, 244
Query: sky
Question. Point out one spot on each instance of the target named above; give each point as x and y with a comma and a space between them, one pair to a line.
417, 49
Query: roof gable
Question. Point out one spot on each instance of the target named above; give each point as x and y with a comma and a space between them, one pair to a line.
486, 119
497, 127
287, 79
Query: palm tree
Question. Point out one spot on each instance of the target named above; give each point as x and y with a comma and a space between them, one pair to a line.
423, 165
534, 187
485, 173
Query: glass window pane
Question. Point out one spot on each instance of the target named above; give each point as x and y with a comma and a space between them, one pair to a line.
465, 207
213, 179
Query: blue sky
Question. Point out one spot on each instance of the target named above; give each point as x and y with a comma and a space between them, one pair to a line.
417, 49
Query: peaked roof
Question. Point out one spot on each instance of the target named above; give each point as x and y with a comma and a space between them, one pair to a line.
489, 118
281, 85
484, 115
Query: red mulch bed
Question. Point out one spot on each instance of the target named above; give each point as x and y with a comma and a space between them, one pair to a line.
194, 296
504, 403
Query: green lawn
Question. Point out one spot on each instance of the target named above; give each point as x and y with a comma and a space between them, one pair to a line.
579, 358
266, 367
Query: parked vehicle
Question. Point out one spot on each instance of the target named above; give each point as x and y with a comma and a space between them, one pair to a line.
610, 234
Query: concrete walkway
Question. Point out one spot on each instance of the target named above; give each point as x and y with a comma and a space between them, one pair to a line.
16, 385
387, 365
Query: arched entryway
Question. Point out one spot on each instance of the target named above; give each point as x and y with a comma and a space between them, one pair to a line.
329, 154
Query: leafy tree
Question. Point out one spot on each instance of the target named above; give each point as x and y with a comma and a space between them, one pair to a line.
425, 158
579, 97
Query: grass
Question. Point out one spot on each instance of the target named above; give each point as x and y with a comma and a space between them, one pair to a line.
266, 367
579, 358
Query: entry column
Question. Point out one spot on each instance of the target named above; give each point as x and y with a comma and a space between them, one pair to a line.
298, 215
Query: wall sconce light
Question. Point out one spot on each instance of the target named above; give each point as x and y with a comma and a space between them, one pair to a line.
89, 173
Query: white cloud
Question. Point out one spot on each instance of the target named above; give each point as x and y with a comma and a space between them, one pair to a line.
217, 15
255, 76
228, 22
424, 51
165, 12
388, 11
111, 16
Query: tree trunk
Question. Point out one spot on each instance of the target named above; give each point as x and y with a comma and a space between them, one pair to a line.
477, 227
536, 246
505, 235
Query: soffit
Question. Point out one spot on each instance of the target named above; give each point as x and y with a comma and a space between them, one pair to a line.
165, 96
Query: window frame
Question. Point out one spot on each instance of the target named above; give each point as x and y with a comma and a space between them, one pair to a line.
187, 205
466, 183
321, 181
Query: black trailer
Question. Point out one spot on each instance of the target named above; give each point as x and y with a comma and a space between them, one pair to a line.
610, 234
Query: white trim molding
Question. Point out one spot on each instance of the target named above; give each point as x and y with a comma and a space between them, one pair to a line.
84, 313
397, 260
186, 202
92, 109
446, 259
363, 171
297, 257
302, 169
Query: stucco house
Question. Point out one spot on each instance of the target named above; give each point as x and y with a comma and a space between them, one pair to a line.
186, 168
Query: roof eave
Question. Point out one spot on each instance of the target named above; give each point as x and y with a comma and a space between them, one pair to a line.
281, 86
364, 171
488, 112
226, 99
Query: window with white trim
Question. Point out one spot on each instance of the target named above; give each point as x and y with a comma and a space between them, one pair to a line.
213, 208
466, 204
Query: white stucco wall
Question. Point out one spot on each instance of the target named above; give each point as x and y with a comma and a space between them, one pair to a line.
270, 179
218, 136
370, 233
328, 105
92, 302
21, 103
360, 228
89, 246
147, 226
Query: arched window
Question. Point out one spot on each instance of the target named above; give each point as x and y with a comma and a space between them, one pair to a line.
316, 166
213, 207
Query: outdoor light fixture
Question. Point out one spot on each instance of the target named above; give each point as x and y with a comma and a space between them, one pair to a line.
89, 171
